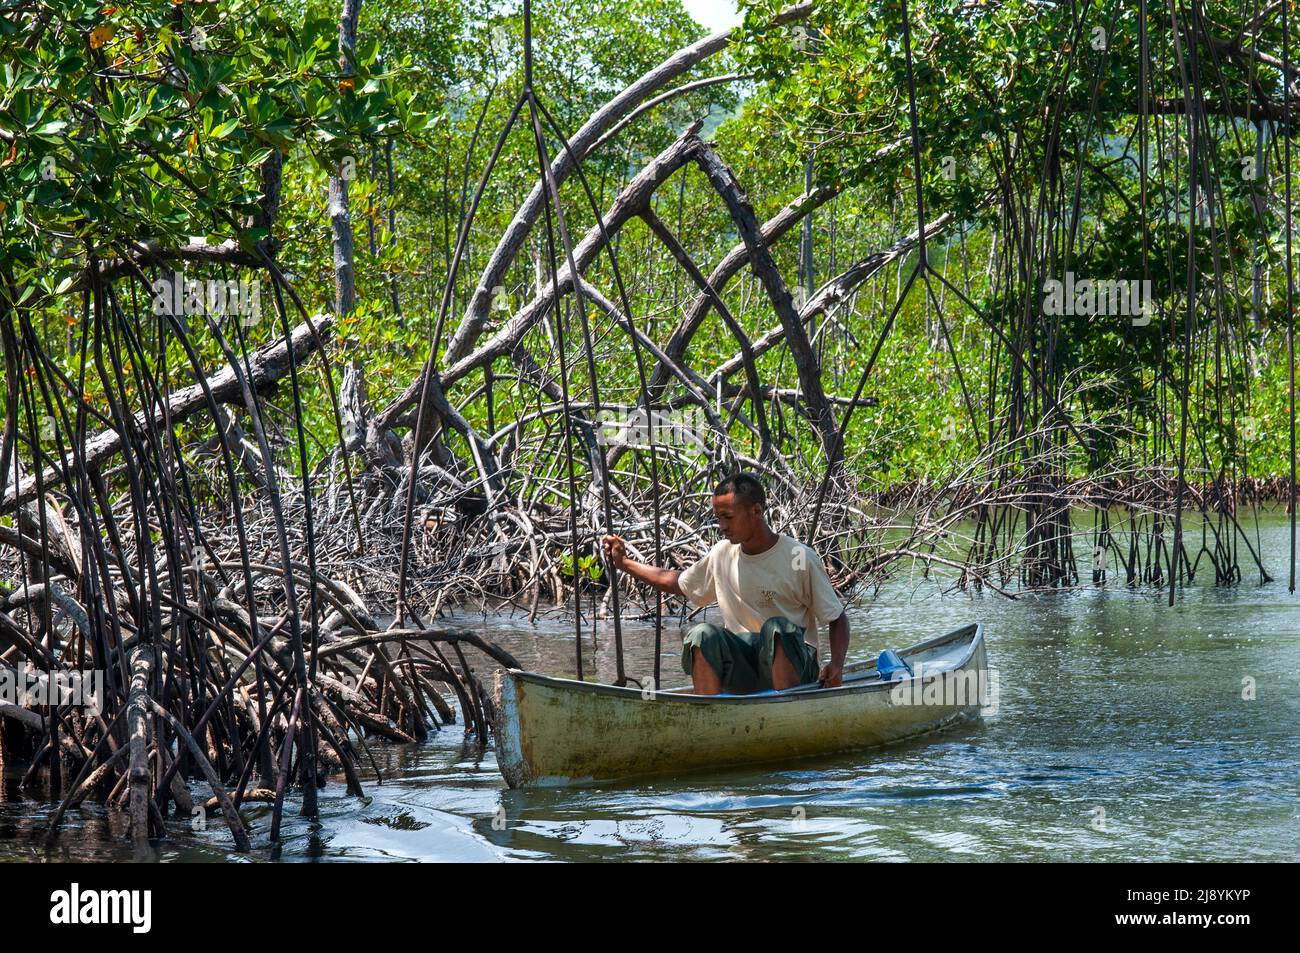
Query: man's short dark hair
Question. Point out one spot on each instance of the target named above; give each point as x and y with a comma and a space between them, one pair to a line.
746, 486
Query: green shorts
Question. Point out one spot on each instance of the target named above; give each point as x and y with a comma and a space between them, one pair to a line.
744, 661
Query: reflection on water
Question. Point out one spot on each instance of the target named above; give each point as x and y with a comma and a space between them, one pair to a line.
1121, 734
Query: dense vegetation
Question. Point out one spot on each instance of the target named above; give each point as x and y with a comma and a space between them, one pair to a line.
153, 122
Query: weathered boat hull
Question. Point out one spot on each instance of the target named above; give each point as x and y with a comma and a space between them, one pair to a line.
557, 731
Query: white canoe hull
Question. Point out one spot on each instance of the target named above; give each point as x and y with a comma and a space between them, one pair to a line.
558, 731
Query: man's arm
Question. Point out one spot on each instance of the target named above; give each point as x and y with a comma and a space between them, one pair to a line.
665, 580
832, 674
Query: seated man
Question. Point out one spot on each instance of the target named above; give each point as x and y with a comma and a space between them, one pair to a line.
772, 591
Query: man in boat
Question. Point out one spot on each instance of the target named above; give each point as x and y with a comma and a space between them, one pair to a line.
772, 591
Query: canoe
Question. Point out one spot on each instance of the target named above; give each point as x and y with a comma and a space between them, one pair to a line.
558, 731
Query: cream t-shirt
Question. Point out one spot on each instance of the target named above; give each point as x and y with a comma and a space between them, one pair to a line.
788, 579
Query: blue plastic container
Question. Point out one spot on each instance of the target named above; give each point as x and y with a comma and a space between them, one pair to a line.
892, 667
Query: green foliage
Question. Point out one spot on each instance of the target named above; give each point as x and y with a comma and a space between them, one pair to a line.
588, 565
152, 122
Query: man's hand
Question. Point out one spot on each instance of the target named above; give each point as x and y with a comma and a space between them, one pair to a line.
665, 580
615, 550
832, 675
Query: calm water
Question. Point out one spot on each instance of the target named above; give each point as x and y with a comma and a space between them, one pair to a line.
1121, 734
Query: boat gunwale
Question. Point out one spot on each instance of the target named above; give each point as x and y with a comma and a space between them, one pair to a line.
976, 639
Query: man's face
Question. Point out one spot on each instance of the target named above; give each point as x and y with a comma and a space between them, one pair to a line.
737, 520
